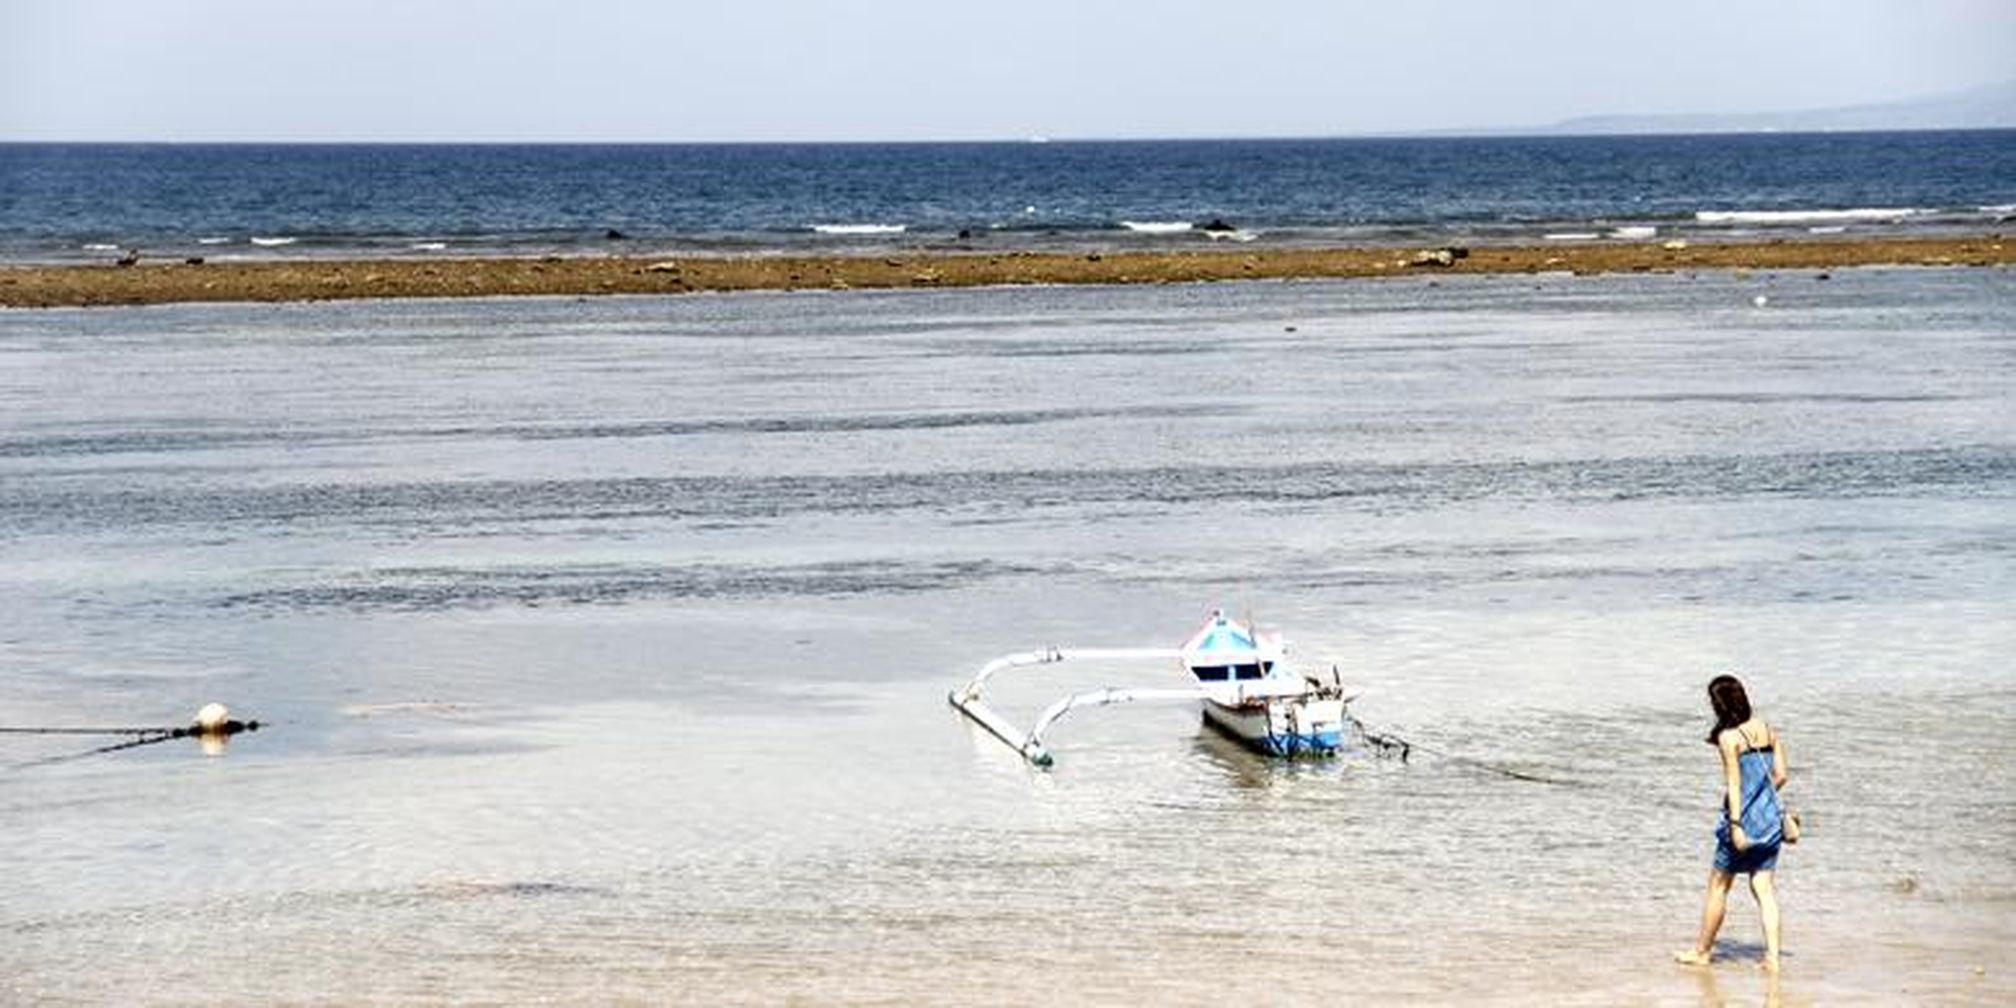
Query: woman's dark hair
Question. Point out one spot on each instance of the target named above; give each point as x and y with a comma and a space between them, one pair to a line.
1730, 703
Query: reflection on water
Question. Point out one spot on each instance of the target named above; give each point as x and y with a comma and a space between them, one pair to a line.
1765, 989
602, 647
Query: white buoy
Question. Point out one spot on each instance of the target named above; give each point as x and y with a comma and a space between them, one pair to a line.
1760, 301
211, 717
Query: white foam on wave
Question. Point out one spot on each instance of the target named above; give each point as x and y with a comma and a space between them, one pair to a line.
1571, 236
215, 240
1157, 226
1806, 216
1998, 209
1827, 229
100, 247
1235, 235
860, 229
1630, 231
271, 242
432, 246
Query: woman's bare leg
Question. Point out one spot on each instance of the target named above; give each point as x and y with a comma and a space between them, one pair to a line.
1765, 889
1713, 906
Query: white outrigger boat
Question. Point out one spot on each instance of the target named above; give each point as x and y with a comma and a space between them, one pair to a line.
1238, 672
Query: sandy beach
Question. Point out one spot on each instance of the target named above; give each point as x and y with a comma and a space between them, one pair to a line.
169, 281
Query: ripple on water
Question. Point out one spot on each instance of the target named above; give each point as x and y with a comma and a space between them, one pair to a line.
421, 589
1827, 475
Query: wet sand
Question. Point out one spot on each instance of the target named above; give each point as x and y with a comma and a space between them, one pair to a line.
149, 282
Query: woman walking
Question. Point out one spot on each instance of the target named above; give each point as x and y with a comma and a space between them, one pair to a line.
1751, 824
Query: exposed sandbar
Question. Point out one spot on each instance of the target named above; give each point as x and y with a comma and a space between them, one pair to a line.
314, 280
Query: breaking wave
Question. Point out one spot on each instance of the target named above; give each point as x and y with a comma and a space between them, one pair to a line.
1877, 214
860, 229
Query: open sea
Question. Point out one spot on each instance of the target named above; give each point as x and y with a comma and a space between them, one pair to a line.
601, 646
85, 202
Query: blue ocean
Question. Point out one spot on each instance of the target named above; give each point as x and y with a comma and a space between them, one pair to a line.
67, 202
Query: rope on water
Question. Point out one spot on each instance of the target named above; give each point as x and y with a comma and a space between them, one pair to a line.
212, 722
90, 731
171, 734
1389, 741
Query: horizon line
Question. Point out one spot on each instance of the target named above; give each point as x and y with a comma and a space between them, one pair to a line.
1439, 133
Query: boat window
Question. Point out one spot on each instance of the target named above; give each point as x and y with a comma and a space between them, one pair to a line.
1246, 671
1211, 673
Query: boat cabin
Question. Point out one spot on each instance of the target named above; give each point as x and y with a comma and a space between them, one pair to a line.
1227, 673
1223, 650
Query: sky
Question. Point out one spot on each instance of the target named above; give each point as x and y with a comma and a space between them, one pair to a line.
666, 70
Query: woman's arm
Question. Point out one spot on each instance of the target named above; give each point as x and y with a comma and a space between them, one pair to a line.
1779, 761
1732, 775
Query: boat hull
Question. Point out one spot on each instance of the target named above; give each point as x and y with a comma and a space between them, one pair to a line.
1282, 726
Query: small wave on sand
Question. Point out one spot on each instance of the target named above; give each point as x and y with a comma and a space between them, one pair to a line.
860, 229
1806, 216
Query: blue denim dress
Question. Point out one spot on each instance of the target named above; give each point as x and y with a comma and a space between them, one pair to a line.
1763, 821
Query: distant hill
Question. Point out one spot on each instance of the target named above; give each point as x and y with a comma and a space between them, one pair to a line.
1991, 106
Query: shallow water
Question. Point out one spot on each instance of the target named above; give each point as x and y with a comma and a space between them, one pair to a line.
604, 644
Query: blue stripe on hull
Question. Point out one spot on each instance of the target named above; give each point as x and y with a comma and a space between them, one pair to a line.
1314, 744
1322, 743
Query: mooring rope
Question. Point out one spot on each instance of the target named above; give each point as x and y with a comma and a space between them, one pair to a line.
90, 731
143, 736
1389, 741
170, 735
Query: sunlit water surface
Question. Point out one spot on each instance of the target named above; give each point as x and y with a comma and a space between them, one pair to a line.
603, 645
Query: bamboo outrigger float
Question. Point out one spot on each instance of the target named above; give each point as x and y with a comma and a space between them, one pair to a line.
1238, 674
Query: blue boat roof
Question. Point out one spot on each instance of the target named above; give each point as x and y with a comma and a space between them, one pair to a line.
1222, 641
1224, 636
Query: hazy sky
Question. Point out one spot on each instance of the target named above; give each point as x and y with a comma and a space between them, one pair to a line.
952, 69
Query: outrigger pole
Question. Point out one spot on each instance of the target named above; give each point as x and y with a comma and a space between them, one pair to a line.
971, 699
